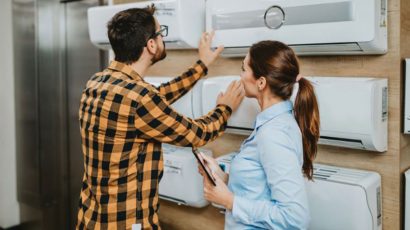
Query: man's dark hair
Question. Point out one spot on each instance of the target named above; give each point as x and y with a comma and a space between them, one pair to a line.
129, 31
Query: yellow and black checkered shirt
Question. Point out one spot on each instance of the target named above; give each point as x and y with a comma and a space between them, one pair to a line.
123, 121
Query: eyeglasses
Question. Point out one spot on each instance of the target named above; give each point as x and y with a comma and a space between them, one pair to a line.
163, 31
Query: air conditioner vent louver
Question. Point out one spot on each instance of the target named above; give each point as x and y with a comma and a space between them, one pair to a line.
338, 174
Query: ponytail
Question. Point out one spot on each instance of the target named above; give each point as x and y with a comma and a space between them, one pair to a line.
307, 116
279, 65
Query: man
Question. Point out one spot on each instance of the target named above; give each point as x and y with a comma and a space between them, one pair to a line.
124, 120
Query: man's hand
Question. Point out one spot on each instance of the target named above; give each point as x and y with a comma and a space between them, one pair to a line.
206, 55
233, 95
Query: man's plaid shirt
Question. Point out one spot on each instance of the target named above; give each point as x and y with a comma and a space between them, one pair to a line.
123, 122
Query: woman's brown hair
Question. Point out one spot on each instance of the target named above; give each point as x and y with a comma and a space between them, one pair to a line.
279, 65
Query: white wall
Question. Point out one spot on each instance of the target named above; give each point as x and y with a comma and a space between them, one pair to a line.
9, 209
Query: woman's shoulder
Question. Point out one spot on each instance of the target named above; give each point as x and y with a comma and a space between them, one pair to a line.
273, 132
282, 124
283, 131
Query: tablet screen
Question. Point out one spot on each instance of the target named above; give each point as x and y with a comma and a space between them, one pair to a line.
204, 166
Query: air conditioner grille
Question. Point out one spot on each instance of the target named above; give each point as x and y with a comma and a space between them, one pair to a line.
337, 174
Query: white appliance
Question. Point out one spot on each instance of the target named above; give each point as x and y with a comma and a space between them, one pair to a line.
310, 27
339, 198
202, 99
353, 111
181, 182
206, 93
407, 98
185, 20
407, 201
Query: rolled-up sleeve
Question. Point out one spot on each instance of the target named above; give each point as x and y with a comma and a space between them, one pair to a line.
179, 86
288, 205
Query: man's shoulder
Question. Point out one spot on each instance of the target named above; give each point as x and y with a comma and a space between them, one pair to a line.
121, 84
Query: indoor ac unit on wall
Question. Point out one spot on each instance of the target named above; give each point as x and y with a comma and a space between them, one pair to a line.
185, 20
310, 27
353, 111
406, 116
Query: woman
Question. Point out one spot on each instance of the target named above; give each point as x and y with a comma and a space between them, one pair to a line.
265, 187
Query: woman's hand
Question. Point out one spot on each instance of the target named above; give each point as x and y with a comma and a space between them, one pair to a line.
219, 194
213, 165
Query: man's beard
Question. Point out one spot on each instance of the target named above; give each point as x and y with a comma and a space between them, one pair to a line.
159, 56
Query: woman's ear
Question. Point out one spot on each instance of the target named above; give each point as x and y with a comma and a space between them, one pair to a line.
261, 83
152, 46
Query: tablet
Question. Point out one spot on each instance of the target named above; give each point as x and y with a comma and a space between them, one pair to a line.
204, 166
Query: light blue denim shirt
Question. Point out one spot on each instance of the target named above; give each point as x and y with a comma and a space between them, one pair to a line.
266, 175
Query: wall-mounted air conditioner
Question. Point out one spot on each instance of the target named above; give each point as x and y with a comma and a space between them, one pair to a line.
406, 121
407, 200
341, 198
181, 182
241, 121
310, 27
185, 20
353, 111
202, 98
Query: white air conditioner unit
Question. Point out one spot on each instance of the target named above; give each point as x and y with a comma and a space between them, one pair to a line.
185, 20
353, 111
242, 120
406, 121
202, 98
310, 27
407, 200
341, 198
181, 182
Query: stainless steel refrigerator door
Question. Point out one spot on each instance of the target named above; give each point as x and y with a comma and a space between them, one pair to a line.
53, 60
26, 93
82, 61
39, 95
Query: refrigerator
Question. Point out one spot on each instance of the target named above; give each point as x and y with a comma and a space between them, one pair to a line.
53, 59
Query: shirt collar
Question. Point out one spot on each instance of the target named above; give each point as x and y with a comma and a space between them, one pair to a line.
272, 112
126, 69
